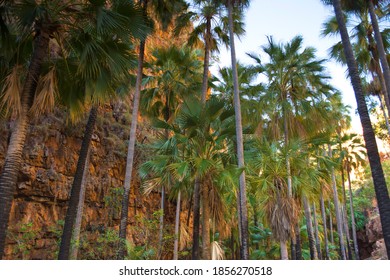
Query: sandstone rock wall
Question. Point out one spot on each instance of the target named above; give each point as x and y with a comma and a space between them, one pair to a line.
370, 240
50, 159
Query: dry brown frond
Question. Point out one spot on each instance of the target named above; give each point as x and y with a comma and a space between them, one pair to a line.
185, 237
218, 210
46, 94
11, 92
282, 212
327, 191
217, 253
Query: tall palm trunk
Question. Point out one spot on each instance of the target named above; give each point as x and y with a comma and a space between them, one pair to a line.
344, 219
310, 233
330, 222
378, 70
162, 208
337, 211
13, 158
316, 232
293, 248
286, 142
177, 228
353, 223
206, 61
323, 214
131, 152
384, 91
161, 229
345, 213
381, 48
206, 255
381, 191
242, 211
76, 187
298, 248
197, 186
196, 220
79, 216
283, 250
289, 179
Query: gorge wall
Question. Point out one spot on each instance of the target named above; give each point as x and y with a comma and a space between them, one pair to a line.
49, 163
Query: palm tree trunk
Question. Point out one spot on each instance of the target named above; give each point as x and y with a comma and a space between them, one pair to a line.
197, 190
283, 250
337, 211
177, 227
345, 214
161, 229
76, 187
316, 232
206, 255
381, 191
288, 166
79, 216
344, 218
298, 248
243, 212
13, 158
323, 214
380, 46
310, 233
331, 223
189, 212
196, 221
293, 248
378, 71
131, 152
353, 223
206, 61
238, 218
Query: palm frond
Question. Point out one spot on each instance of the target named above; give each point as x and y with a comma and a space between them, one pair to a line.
11, 92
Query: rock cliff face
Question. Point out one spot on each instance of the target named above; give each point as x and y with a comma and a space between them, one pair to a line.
370, 241
50, 158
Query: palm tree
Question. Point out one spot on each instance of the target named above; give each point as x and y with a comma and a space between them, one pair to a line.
174, 75
295, 76
268, 173
23, 18
202, 130
223, 86
365, 48
379, 42
206, 13
354, 156
310, 229
242, 210
337, 209
324, 223
361, 5
368, 133
104, 63
164, 11
292, 73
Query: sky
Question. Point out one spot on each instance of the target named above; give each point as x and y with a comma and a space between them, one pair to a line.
284, 19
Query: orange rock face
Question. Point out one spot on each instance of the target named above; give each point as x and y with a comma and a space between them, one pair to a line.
50, 158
